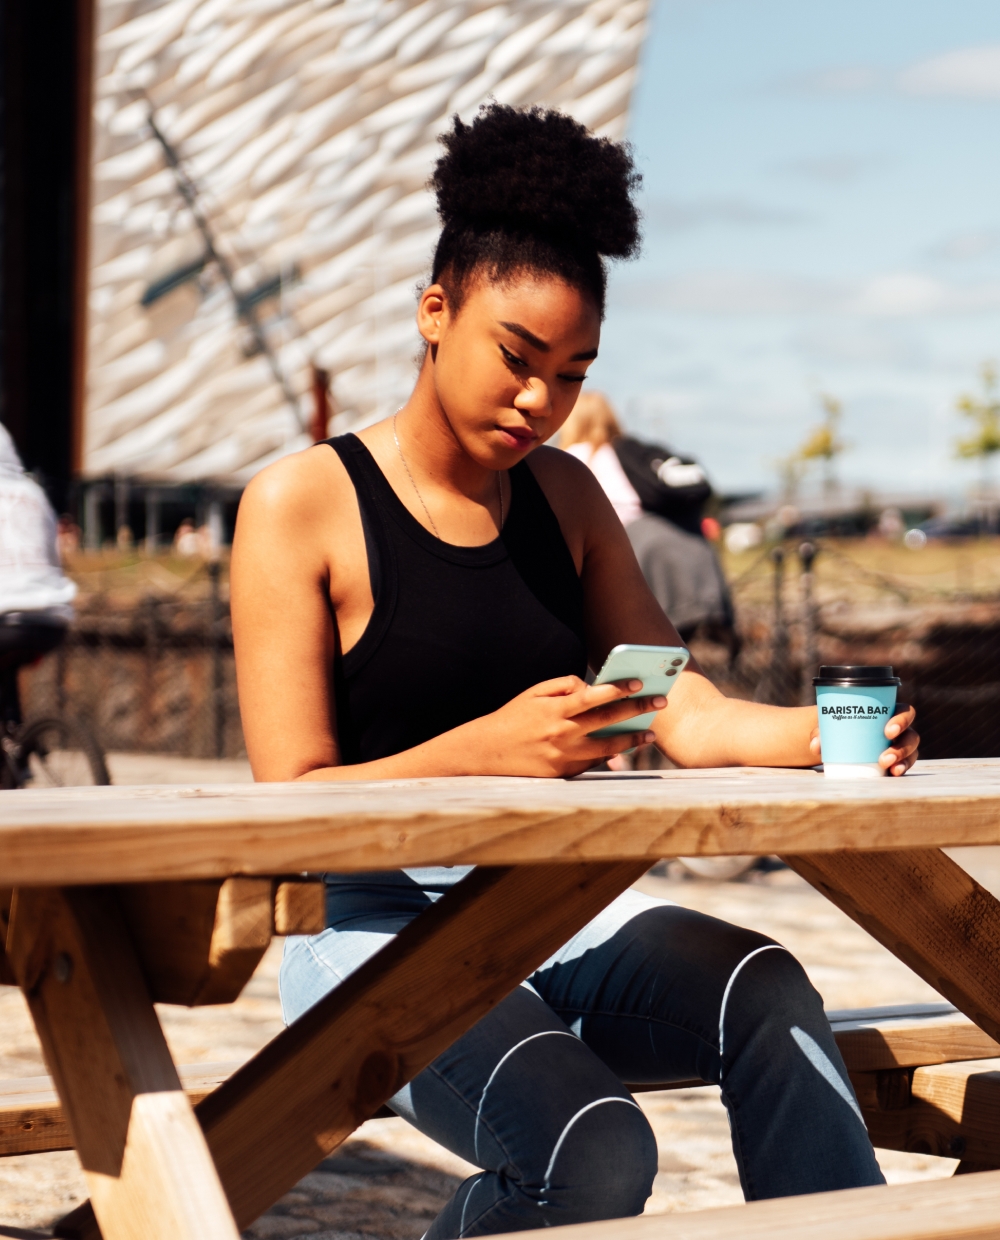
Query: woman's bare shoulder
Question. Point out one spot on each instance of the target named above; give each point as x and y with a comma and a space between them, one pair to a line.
299, 487
570, 487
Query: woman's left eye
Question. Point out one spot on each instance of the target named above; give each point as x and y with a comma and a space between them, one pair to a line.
572, 378
512, 358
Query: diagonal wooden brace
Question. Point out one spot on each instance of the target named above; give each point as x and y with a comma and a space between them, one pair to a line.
146, 1160
305, 1092
927, 911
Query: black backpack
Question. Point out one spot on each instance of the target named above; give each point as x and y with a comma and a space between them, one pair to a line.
672, 486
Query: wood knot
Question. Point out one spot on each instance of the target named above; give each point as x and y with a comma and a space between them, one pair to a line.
377, 1080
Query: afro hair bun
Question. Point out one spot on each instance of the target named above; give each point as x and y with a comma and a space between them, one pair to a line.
537, 171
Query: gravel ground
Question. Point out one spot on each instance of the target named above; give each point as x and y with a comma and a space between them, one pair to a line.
388, 1181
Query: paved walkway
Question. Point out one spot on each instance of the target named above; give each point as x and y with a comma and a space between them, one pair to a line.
389, 1181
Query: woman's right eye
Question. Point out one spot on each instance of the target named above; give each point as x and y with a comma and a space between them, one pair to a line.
511, 358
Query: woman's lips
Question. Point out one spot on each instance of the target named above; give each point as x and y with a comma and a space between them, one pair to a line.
517, 436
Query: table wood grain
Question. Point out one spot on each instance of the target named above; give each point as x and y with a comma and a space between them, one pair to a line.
98, 835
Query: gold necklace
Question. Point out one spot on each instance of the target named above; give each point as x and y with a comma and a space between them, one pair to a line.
413, 483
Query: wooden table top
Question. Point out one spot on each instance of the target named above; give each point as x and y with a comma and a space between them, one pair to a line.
97, 835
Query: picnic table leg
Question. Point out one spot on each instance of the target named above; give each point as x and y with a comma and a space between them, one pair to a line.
145, 1157
927, 911
308, 1089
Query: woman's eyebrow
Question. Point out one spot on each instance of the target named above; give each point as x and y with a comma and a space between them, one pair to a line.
537, 343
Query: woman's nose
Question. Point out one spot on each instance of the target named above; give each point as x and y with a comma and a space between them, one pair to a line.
534, 399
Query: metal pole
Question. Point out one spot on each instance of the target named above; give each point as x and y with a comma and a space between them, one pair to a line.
92, 518
810, 655
248, 313
121, 507
775, 684
152, 520
217, 700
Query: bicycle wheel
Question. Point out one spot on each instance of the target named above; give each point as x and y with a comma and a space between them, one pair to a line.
55, 754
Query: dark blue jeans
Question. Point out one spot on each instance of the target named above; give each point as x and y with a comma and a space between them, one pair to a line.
647, 992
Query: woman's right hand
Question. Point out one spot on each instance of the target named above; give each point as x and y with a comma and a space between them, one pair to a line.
543, 732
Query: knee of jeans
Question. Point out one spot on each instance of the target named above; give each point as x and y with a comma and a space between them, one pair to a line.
602, 1165
771, 993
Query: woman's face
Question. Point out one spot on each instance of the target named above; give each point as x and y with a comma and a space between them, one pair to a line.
508, 367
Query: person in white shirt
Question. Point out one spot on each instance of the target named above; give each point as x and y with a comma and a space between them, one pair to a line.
588, 434
35, 594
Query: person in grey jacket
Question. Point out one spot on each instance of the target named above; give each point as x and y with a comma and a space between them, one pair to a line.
660, 498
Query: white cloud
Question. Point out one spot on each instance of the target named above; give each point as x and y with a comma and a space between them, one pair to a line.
967, 245
843, 80
965, 73
733, 292
889, 295
862, 344
835, 169
902, 293
675, 215
968, 73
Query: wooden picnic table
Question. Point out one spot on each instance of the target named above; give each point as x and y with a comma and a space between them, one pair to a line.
126, 896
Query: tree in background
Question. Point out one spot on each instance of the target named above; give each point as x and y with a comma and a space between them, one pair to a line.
824, 444
984, 412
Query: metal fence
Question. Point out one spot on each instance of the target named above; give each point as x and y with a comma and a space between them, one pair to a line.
800, 605
154, 674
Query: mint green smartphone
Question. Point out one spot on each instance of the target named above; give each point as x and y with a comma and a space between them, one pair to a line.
656, 666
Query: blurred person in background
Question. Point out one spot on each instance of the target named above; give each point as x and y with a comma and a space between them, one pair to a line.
35, 594
659, 498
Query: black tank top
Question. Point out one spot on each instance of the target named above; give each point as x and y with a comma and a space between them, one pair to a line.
456, 631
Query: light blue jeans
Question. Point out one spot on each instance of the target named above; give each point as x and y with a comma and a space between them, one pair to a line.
647, 992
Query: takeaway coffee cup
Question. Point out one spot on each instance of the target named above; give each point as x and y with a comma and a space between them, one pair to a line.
854, 704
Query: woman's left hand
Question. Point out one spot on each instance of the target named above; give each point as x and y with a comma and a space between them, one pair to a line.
901, 754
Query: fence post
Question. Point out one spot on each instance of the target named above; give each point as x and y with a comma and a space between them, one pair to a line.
218, 700
777, 684
92, 497
152, 520
810, 658
152, 722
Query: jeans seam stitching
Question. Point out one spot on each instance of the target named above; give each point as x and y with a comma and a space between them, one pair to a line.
476, 1118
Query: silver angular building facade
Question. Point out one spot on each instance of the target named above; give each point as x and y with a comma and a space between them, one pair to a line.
259, 203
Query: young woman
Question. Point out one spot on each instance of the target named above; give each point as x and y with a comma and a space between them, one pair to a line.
424, 598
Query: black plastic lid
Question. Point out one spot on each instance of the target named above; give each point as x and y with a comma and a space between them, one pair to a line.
855, 674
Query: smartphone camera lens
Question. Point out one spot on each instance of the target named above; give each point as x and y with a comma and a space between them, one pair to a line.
677, 663
671, 671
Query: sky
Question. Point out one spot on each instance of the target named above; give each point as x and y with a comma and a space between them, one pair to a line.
822, 215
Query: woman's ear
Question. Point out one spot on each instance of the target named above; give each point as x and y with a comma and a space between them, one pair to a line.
432, 313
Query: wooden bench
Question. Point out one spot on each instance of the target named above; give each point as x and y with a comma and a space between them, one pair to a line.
963, 1209
32, 1119
927, 1080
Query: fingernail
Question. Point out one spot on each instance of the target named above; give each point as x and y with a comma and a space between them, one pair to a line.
899, 769
649, 737
659, 701
634, 685
892, 729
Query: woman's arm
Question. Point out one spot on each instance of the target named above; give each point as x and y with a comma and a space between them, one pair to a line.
700, 727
